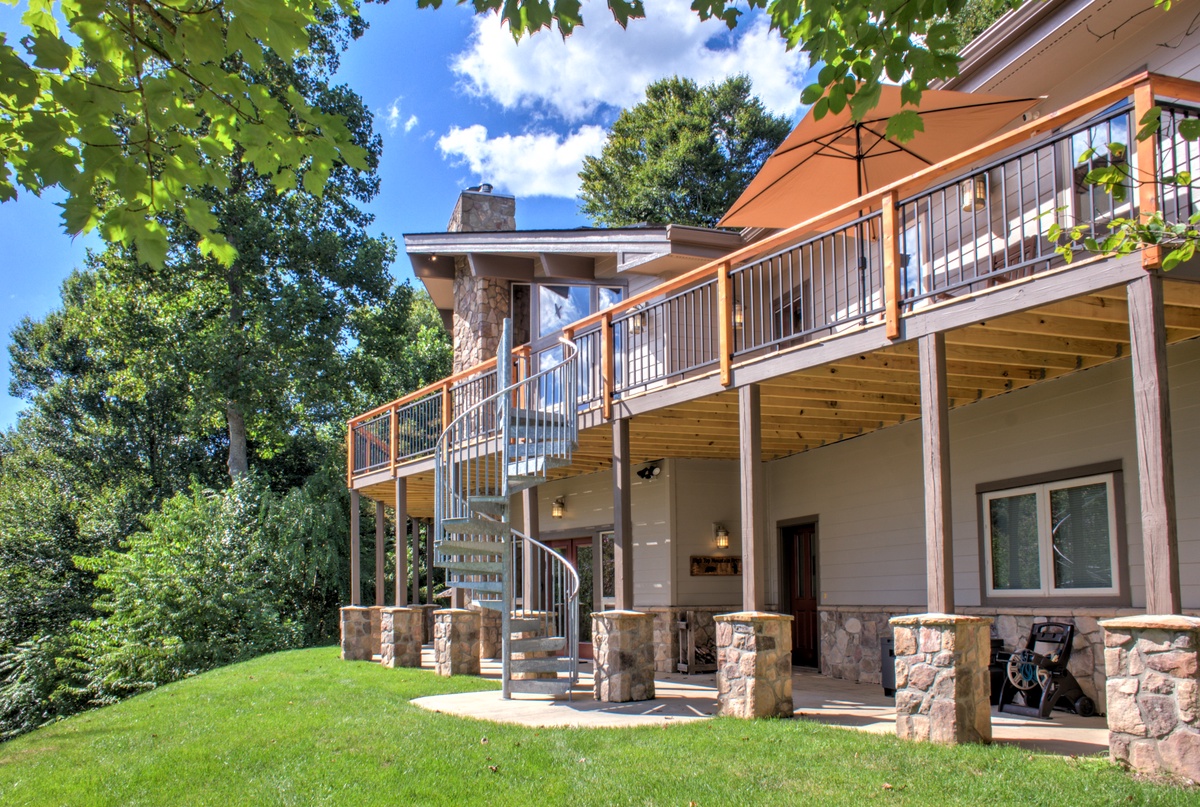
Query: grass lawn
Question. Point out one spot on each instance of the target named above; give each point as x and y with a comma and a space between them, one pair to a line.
306, 728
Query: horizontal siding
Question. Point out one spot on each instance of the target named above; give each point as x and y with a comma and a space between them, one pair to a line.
868, 495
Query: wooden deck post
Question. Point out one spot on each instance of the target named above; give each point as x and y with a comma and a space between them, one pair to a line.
725, 344
355, 552
380, 547
531, 593
1147, 172
428, 562
891, 265
754, 543
1156, 470
401, 541
608, 367
622, 516
447, 407
935, 451
416, 561
350, 455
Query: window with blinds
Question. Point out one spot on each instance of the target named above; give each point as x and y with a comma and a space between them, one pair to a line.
1056, 538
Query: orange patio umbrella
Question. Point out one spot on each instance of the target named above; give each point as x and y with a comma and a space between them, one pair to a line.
825, 163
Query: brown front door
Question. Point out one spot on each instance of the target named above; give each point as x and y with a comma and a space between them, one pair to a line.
579, 553
800, 546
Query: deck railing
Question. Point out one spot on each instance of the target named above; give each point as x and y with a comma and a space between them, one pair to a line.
970, 222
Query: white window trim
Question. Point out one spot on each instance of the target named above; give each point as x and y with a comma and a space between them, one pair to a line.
1045, 543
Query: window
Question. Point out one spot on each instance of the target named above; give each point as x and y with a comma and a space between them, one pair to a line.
1056, 538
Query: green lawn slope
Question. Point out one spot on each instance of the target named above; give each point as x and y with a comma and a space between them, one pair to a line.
306, 728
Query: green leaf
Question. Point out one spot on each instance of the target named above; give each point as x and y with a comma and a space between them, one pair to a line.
902, 126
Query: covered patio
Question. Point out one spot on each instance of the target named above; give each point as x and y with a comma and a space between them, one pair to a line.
683, 698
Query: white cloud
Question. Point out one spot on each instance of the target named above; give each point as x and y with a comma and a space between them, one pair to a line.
411, 123
393, 118
538, 164
601, 64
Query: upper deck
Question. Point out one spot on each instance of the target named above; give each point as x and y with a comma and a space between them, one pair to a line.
824, 315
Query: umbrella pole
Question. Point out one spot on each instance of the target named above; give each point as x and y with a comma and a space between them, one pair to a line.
862, 258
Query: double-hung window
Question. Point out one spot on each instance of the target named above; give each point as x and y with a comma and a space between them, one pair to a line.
1054, 539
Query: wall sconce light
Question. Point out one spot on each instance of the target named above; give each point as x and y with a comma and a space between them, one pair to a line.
722, 536
973, 191
558, 508
650, 472
739, 316
637, 323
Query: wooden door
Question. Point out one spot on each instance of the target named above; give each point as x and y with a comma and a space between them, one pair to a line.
578, 552
800, 545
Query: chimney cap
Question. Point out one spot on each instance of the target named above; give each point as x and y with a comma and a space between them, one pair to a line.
484, 187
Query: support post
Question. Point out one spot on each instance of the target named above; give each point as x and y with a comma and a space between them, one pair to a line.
622, 517
355, 552
416, 561
935, 450
428, 563
380, 547
891, 265
725, 323
1147, 172
754, 544
447, 407
401, 542
1156, 469
530, 575
597, 573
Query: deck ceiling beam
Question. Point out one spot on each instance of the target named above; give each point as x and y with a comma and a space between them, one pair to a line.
576, 267
504, 267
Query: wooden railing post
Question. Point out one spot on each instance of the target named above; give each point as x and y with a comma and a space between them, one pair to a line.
447, 407
608, 366
725, 322
1147, 169
350, 454
394, 440
891, 265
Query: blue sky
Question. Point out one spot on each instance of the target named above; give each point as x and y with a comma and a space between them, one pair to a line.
458, 102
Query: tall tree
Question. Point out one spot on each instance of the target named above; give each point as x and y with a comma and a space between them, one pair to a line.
683, 155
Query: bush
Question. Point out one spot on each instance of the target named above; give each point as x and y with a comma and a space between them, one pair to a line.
217, 578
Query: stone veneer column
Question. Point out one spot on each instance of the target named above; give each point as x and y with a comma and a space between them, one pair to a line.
1153, 666
754, 664
480, 303
491, 622
943, 686
357, 644
427, 611
400, 637
623, 656
456, 642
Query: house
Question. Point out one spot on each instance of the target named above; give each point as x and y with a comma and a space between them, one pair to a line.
969, 435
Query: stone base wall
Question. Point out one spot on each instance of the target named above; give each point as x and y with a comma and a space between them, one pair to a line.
849, 639
426, 623
357, 642
942, 687
491, 622
666, 634
754, 664
456, 642
1153, 666
623, 652
400, 637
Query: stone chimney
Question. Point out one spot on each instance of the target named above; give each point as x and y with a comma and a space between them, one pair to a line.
480, 303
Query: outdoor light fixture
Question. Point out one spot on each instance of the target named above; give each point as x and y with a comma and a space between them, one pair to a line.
973, 191
649, 472
558, 508
722, 536
739, 315
637, 323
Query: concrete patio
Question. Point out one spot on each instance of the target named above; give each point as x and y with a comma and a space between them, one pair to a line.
684, 698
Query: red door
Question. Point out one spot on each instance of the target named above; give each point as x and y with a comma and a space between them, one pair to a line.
578, 552
800, 545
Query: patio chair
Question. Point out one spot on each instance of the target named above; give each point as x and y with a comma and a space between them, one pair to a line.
1037, 678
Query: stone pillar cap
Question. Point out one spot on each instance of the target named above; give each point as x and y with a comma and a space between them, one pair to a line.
939, 619
1152, 622
752, 616
357, 607
619, 614
453, 611
396, 608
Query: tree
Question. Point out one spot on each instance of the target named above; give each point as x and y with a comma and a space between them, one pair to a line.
683, 155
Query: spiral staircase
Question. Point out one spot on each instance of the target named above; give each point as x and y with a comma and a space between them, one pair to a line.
502, 445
